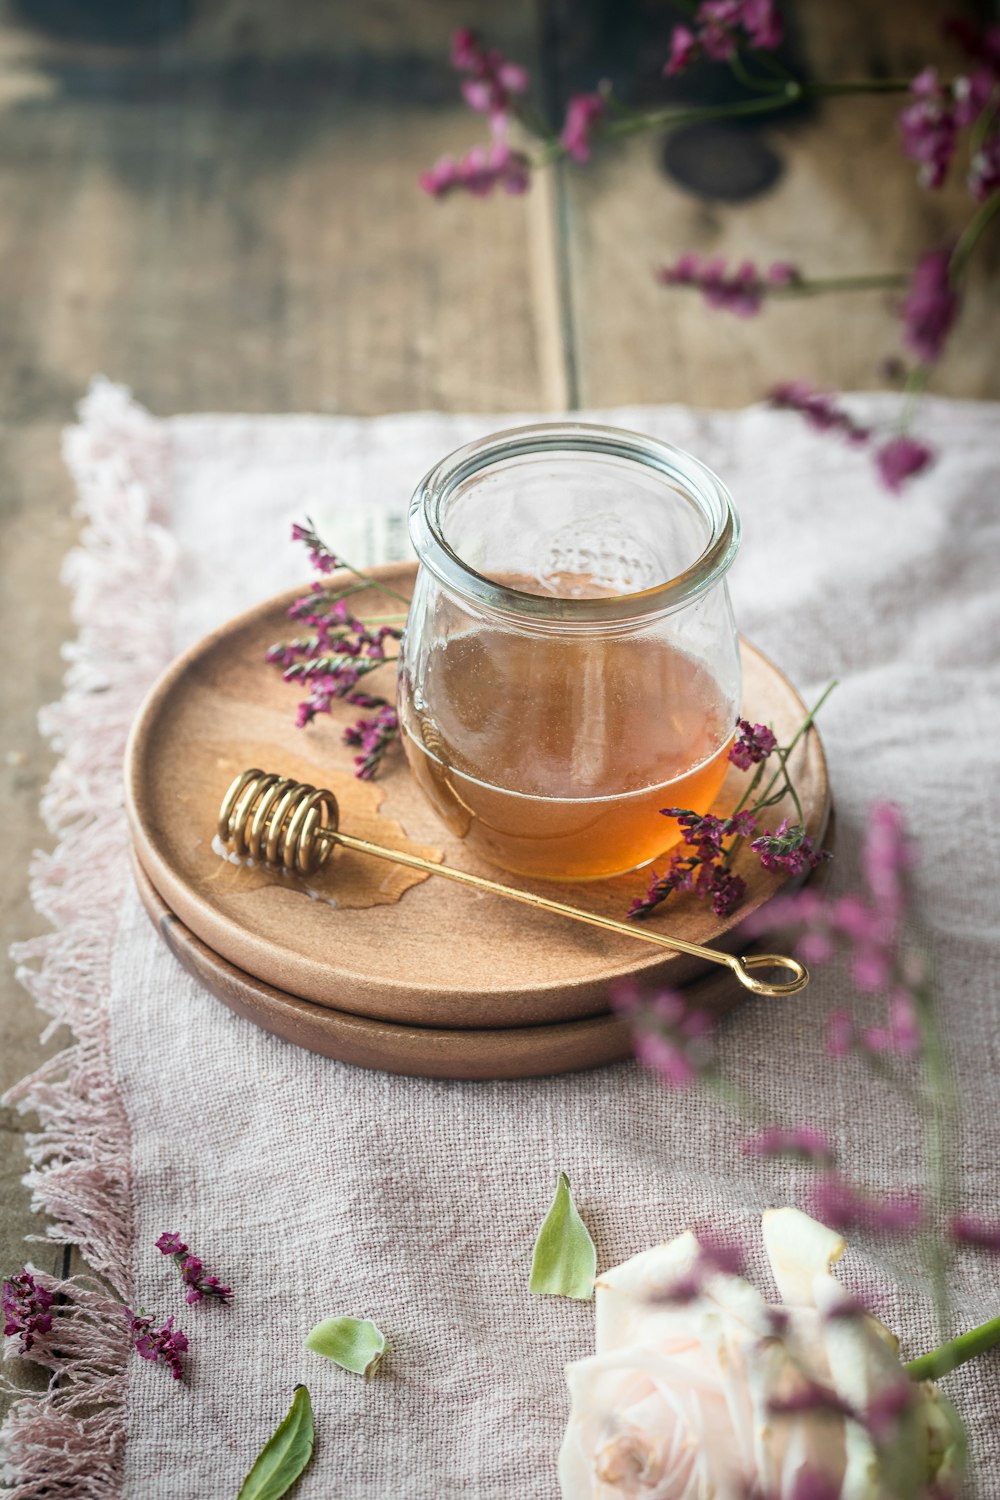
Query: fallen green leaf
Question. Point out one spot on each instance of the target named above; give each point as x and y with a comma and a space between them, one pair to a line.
285, 1454
353, 1343
565, 1260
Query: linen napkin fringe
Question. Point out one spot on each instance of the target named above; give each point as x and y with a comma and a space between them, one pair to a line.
72, 1435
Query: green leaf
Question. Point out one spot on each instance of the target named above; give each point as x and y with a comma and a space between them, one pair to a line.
565, 1261
285, 1454
353, 1343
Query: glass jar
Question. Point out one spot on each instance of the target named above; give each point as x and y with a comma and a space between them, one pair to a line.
570, 664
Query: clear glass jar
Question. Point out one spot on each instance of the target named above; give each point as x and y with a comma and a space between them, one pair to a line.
570, 664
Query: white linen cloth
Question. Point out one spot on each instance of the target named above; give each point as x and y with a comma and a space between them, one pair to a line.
316, 1188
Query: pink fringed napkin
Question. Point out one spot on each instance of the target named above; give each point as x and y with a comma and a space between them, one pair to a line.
314, 1188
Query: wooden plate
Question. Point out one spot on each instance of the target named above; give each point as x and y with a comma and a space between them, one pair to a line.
420, 1051
440, 956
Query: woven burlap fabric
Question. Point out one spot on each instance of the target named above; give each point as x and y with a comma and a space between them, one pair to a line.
316, 1188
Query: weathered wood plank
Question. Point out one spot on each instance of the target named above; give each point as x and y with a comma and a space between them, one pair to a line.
847, 200
227, 219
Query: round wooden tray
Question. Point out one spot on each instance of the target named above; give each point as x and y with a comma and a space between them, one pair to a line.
437, 956
419, 1051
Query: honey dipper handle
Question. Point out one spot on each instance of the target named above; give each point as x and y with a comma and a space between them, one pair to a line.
740, 966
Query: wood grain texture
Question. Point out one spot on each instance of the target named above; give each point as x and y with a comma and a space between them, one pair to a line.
846, 200
224, 217
437, 955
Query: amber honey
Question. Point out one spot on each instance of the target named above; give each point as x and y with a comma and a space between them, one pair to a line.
553, 757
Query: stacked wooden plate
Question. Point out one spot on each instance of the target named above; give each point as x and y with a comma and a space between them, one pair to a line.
366, 962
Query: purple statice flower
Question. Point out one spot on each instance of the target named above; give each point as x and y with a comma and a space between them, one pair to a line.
719, 27
929, 127
930, 307
373, 735
740, 291
493, 80
584, 113
801, 1142
670, 1036
982, 1234
789, 850
984, 169
937, 112
820, 410
701, 872
841, 1206
482, 169
900, 459
164, 1345
192, 1271
26, 1309
753, 744
319, 553
726, 891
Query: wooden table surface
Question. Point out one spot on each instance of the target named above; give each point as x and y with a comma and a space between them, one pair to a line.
215, 203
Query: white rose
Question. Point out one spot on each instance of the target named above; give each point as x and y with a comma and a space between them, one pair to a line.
678, 1402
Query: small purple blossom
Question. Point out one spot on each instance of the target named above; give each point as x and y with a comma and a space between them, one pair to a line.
319, 553
26, 1309
740, 291
584, 113
820, 410
493, 79
801, 1142
984, 169
482, 169
789, 850
164, 1345
930, 307
900, 459
670, 1036
840, 1205
938, 111
753, 744
720, 26
374, 735
192, 1271
982, 1234
726, 891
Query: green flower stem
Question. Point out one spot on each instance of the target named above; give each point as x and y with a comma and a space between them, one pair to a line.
376, 583
916, 384
938, 1120
970, 236
818, 286
955, 1352
785, 754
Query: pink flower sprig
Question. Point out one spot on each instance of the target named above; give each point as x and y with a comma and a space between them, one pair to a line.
478, 172
741, 291
192, 1271
979, 1234
163, 1345
27, 1309
931, 124
340, 650
797, 1142
672, 1037
720, 27
702, 867
842, 1206
492, 81
897, 459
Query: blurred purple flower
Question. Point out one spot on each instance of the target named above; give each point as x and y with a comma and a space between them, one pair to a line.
820, 410
741, 291
982, 1234
584, 112
720, 26
482, 169
900, 459
670, 1036
799, 1141
840, 1205
493, 78
930, 307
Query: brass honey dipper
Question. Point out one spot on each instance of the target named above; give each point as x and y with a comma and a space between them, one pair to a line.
288, 823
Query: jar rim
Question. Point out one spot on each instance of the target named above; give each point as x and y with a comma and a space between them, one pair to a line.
685, 471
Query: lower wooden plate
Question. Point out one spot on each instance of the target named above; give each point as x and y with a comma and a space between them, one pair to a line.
435, 956
419, 1051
